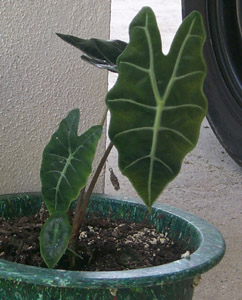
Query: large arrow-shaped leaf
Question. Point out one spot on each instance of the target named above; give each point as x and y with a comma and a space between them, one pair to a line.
102, 54
157, 103
54, 238
67, 162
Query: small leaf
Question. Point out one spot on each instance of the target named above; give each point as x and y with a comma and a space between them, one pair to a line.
67, 162
100, 53
157, 104
54, 238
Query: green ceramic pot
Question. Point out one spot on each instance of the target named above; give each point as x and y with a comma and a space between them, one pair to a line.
173, 281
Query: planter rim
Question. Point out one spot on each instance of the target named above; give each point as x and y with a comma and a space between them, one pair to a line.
207, 255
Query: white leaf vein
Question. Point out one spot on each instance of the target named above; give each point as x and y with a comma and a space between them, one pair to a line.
135, 66
133, 130
133, 102
149, 157
187, 75
57, 156
171, 107
177, 133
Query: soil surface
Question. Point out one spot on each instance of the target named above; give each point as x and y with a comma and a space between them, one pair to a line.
104, 245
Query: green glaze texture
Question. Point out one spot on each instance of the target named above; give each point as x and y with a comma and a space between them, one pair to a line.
173, 281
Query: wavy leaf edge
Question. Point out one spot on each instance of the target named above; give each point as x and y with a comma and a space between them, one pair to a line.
161, 101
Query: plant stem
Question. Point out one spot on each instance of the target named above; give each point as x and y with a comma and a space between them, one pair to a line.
78, 205
83, 203
104, 116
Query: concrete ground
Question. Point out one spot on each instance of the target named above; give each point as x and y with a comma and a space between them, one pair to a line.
209, 184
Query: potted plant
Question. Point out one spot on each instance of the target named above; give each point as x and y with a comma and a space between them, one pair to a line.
157, 106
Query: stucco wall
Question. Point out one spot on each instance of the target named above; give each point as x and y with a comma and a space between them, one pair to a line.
43, 78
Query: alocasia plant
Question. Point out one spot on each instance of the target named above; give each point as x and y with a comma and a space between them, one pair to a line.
66, 166
157, 106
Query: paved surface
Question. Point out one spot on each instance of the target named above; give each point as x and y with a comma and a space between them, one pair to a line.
210, 183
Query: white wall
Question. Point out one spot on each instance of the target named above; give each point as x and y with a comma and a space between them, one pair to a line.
43, 78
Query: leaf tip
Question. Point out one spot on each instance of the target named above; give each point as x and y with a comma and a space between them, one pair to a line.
60, 35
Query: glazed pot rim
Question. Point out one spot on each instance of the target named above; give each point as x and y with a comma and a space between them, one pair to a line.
207, 255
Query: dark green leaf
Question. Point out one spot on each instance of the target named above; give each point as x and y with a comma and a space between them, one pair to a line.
67, 162
54, 238
100, 53
157, 104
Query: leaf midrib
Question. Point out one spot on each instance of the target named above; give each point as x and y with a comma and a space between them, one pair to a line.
68, 161
161, 102
158, 110
71, 156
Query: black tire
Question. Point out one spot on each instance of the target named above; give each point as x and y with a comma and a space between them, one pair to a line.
223, 55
